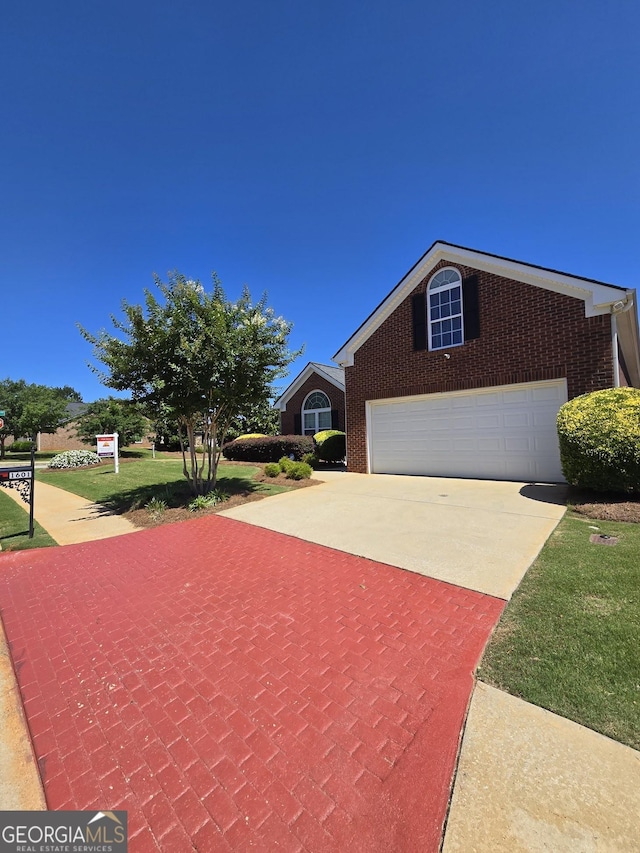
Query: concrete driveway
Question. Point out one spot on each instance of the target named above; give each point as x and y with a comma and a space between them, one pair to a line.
478, 534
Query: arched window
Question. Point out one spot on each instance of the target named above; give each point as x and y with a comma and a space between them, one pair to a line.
444, 309
316, 413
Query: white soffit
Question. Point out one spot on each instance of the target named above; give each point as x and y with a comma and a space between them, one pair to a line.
597, 296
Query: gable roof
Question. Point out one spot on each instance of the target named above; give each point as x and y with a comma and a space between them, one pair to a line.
598, 297
333, 374
74, 410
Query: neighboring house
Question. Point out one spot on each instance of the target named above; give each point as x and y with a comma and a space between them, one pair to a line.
64, 438
314, 401
461, 370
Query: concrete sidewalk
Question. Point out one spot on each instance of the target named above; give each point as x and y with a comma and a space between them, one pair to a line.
70, 519
531, 781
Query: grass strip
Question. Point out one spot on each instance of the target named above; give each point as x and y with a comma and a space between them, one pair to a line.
568, 641
14, 527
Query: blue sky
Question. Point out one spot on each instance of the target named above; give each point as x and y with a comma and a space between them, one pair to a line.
312, 150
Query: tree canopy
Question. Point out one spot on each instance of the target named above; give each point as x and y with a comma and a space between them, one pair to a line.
111, 415
31, 408
195, 357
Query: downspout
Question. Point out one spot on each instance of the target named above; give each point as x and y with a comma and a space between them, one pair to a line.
614, 344
619, 307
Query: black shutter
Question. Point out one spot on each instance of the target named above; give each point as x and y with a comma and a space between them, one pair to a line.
471, 307
419, 309
297, 424
335, 419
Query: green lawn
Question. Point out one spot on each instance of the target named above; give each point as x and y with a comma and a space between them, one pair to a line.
569, 640
142, 479
14, 527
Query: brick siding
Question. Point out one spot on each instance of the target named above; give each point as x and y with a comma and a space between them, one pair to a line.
527, 334
65, 438
294, 406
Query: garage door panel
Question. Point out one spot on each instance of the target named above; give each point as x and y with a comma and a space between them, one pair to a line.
517, 420
490, 445
487, 400
515, 397
506, 432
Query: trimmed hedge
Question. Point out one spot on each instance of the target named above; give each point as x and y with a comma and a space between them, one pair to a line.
20, 447
333, 448
268, 449
320, 437
599, 436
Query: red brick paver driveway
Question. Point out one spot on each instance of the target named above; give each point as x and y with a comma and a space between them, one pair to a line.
235, 689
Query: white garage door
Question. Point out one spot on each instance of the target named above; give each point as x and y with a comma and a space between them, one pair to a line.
505, 433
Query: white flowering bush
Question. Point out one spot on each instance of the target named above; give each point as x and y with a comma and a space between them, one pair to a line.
74, 459
600, 440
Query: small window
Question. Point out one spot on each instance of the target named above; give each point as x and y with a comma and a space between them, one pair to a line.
444, 307
316, 413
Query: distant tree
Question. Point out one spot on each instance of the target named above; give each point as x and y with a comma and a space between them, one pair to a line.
259, 417
69, 393
198, 359
11, 401
111, 415
30, 409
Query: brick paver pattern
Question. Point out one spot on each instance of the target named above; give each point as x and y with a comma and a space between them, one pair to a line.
235, 688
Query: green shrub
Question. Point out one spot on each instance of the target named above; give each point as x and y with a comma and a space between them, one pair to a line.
268, 449
285, 463
310, 459
333, 448
320, 437
206, 501
272, 469
156, 508
250, 435
599, 436
299, 471
20, 447
74, 459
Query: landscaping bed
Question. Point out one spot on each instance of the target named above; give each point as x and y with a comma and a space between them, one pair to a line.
603, 506
141, 481
271, 486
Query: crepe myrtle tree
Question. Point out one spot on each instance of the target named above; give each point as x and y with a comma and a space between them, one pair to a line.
196, 358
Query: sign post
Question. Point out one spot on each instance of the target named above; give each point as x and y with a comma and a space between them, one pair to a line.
107, 447
21, 478
33, 485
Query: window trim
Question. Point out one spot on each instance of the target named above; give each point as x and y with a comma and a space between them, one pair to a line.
315, 412
443, 289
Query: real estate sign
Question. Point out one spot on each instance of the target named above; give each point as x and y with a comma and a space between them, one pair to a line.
107, 447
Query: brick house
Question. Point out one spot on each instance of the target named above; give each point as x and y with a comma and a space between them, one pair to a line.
66, 436
314, 401
461, 370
